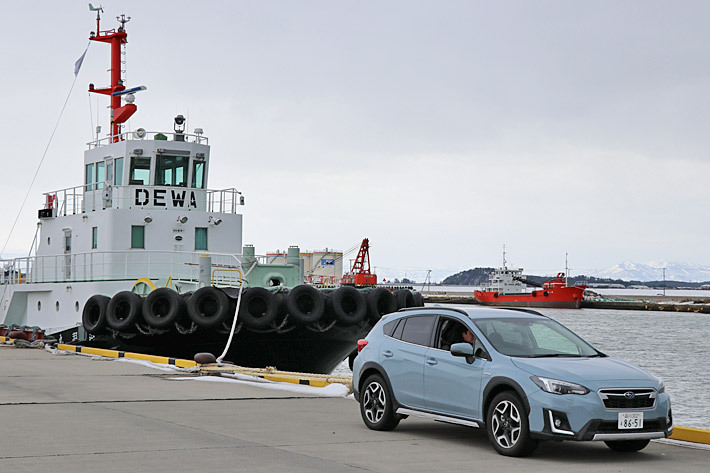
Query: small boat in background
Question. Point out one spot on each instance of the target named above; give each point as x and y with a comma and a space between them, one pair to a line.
507, 287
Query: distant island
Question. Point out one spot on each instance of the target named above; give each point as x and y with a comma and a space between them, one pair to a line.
476, 276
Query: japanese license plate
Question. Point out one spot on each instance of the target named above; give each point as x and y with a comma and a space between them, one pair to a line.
630, 420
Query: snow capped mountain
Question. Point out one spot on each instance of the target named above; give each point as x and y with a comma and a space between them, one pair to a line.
653, 271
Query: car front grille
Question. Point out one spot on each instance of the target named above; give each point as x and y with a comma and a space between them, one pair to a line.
632, 398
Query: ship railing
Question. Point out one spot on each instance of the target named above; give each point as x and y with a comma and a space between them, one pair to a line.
98, 196
149, 135
120, 266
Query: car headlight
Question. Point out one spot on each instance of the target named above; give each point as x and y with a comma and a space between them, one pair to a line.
555, 386
661, 386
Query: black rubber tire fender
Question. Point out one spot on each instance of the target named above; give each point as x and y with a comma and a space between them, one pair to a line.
124, 311
418, 299
380, 301
258, 308
183, 317
524, 444
376, 395
349, 305
208, 307
305, 304
93, 317
162, 307
404, 298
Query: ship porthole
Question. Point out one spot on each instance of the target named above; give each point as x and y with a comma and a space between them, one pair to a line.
39, 305
76, 306
49, 240
56, 306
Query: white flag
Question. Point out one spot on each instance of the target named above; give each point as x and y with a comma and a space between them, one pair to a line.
77, 64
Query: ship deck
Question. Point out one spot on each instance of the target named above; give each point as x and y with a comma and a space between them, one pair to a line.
67, 413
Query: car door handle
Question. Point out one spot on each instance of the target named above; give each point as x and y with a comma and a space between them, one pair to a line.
387, 353
431, 361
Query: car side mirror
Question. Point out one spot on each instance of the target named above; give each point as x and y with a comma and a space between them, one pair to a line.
463, 349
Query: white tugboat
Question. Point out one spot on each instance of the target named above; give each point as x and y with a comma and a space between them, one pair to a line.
143, 255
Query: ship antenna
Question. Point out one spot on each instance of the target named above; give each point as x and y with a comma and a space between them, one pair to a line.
504, 264
98, 11
116, 38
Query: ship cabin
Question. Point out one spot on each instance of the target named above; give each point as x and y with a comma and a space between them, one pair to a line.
143, 210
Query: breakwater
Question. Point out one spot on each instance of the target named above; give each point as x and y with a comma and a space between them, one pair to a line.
677, 304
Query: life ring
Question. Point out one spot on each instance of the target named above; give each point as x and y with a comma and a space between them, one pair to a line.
124, 311
534, 294
545, 294
495, 294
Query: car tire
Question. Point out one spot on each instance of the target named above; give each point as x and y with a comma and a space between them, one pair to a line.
507, 426
376, 404
627, 445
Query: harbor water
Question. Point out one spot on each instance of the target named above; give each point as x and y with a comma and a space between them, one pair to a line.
670, 345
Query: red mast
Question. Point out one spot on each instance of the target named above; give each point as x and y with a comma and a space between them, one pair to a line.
116, 38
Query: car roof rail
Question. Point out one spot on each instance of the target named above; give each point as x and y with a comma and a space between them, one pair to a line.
521, 309
437, 307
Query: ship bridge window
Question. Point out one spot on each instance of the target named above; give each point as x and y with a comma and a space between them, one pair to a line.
198, 174
171, 171
140, 171
100, 175
118, 172
89, 177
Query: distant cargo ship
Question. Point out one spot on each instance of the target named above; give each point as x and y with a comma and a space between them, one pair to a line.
507, 287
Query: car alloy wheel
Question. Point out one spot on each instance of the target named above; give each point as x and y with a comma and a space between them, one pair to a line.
376, 404
374, 400
506, 424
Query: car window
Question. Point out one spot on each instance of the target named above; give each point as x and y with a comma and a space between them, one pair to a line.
450, 332
397, 333
530, 337
418, 329
389, 327
555, 342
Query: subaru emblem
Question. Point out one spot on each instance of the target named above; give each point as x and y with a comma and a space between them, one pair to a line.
629, 395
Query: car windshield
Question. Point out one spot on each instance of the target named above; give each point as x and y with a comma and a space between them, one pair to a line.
533, 338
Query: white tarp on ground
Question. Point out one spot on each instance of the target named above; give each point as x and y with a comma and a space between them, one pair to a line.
332, 390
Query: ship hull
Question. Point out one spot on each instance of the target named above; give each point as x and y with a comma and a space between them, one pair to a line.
300, 349
560, 298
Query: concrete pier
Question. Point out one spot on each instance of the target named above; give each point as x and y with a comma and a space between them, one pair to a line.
71, 413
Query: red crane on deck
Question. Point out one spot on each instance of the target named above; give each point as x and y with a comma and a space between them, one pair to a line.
360, 275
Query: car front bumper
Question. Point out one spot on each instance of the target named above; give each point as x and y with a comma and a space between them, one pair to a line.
584, 417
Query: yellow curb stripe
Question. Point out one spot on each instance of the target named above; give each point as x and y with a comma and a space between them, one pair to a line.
690, 434
163, 360
306, 379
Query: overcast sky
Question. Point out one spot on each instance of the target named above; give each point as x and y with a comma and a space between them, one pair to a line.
440, 130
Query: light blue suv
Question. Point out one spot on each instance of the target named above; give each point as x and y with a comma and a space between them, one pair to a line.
519, 374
